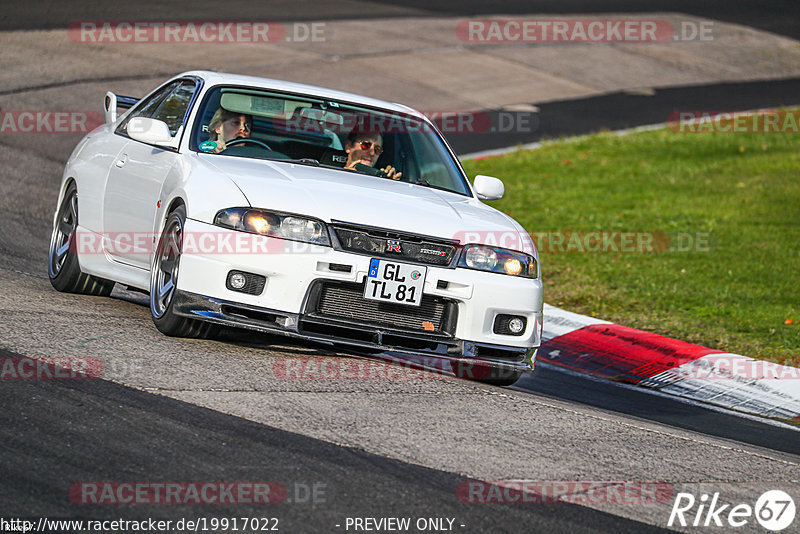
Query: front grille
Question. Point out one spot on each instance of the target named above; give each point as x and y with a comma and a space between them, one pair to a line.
387, 244
344, 301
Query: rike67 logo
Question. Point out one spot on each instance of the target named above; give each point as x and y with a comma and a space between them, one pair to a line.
774, 510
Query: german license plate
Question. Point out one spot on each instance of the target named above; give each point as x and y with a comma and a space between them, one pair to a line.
390, 281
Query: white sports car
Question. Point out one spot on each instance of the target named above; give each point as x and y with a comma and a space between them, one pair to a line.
291, 209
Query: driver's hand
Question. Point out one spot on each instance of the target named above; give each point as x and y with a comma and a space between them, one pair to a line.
358, 156
392, 173
220, 146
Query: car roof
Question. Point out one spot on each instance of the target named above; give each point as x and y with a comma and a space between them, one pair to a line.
213, 78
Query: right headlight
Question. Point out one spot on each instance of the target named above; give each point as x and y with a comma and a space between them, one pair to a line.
498, 260
282, 225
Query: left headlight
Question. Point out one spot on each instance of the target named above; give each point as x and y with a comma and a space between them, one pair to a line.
282, 225
498, 260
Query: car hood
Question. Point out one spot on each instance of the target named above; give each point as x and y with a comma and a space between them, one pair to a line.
334, 195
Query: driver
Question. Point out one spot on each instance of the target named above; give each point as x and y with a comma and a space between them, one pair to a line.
225, 126
364, 148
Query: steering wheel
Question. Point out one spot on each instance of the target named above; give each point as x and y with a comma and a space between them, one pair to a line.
245, 140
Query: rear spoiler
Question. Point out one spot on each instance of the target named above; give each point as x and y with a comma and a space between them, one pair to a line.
113, 102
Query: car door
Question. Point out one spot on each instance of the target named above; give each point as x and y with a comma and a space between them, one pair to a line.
134, 183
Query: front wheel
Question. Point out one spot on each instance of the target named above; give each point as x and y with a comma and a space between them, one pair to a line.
164, 280
62, 266
501, 377
495, 376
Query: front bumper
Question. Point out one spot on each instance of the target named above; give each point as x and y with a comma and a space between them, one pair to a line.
468, 301
331, 331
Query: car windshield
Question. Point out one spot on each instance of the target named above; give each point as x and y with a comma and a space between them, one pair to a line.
261, 124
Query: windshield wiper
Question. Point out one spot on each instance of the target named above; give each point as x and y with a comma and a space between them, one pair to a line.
425, 183
302, 161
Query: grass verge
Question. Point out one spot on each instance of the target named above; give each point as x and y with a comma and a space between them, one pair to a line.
720, 211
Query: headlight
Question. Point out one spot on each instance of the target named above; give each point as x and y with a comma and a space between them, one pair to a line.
498, 260
300, 229
284, 226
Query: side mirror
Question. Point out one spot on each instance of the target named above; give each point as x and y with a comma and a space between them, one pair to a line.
110, 105
488, 187
150, 131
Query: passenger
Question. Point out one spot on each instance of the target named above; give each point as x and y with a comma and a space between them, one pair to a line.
225, 126
365, 148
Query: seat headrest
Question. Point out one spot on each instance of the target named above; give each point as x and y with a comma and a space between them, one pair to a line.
334, 158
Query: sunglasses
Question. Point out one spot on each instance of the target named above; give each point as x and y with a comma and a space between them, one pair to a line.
366, 145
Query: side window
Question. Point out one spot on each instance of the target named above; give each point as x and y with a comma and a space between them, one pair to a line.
172, 109
168, 104
146, 107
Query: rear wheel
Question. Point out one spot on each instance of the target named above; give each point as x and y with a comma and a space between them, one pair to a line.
63, 268
164, 280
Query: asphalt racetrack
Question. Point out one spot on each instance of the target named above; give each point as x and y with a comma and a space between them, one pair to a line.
189, 411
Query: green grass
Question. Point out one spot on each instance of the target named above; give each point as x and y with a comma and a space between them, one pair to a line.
742, 191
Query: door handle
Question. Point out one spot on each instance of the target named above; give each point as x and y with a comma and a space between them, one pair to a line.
121, 161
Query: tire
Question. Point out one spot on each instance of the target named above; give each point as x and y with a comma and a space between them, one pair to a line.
163, 281
63, 268
501, 377
487, 375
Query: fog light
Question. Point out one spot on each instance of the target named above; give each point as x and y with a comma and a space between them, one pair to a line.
243, 282
516, 325
510, 325
237, 281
